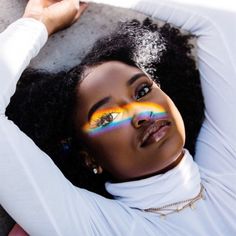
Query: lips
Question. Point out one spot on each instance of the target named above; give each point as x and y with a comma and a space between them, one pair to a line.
154, 132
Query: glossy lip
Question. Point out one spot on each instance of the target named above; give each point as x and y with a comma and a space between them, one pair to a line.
154, 132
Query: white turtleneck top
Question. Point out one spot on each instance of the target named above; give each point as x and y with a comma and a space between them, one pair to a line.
36, 194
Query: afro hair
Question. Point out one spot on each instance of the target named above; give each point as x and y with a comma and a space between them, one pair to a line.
46, 101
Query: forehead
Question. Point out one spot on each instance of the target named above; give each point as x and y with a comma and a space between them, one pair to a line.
104, 79
113, 72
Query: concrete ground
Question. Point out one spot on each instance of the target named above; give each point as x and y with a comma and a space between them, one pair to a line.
66, 48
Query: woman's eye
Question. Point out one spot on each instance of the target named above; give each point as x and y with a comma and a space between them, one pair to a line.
106, 119
145, 89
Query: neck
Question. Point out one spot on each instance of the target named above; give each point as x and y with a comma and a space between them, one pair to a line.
179, 181
162, 171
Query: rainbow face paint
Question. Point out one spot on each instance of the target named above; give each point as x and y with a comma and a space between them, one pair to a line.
112, 118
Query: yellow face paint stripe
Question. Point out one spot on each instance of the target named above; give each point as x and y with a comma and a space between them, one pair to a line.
145, 109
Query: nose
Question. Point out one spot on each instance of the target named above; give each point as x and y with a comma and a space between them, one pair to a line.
141, 118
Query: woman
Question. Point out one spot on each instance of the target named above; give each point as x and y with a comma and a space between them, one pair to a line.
151, 174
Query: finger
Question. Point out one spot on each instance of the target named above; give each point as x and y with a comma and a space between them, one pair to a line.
75, 2
82, 7
47, 3
36, 5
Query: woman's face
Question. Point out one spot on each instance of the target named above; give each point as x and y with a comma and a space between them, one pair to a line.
131, 126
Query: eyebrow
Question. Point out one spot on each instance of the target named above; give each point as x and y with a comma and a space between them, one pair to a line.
97, 105
134, 78
107, 99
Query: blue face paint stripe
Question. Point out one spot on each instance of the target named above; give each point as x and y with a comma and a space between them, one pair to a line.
109, 127
117, 124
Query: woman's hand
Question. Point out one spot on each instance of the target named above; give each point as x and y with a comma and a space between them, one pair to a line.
56, 15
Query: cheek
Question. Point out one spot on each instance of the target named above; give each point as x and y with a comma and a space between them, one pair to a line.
164, 100
160, 98
111, 141
177, 118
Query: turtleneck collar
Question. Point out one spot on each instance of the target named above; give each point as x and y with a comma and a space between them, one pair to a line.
180, 183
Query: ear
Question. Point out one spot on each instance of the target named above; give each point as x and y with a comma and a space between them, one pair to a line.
90, 162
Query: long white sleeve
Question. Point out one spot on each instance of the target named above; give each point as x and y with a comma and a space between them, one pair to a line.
19, 43
18, 46
32, 189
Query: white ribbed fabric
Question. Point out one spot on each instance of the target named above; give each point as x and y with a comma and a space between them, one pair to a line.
161, 189
18, 46
37, 195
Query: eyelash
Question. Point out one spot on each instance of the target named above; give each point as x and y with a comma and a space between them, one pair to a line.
106, 117
144, 85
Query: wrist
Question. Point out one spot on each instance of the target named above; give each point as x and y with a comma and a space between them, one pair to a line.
39, 17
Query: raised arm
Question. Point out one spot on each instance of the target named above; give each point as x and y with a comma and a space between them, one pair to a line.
32, 189
20, 42
212, 23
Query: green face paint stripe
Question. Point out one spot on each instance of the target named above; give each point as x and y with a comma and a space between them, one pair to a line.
116, 124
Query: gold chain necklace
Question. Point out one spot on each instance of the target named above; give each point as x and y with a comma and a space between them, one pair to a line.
165, 210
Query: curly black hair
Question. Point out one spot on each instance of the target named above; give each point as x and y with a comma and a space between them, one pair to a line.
44, 104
